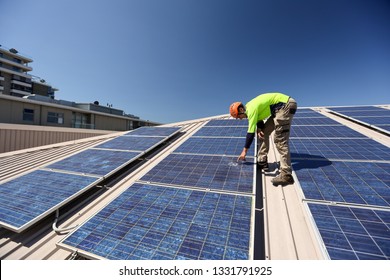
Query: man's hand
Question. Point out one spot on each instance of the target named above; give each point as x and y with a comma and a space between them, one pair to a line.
243, 155
260, 134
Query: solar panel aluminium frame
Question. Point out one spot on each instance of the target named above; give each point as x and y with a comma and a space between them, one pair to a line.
361, 122
54, 207
99, 178
319, 236
93, 256
140, 153
136, 155
252, 218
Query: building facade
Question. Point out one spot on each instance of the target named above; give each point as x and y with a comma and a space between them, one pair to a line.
30, 100
15, 79
26, 111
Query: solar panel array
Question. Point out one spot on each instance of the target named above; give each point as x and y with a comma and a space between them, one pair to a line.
30, 197
345, 180
374, 116
197, 203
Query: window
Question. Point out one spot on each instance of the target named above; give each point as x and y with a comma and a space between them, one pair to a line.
55, 117
28, 115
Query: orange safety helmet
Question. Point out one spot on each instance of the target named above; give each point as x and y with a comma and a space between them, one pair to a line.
234, 109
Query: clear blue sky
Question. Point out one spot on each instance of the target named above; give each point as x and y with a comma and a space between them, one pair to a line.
175, 60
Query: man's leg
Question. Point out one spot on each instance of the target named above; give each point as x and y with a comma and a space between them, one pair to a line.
262, 158
283, 119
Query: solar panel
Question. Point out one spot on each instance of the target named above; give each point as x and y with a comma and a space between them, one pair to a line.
314, 121
335, 131
154, 131
355, 108
363, 183
130, 143
203, 171
32, 196
95, 161
222, 131
384, 127
347, 149
214, 146
155, 222
228, 122
374, 120
370, 115
353, 233
306, 113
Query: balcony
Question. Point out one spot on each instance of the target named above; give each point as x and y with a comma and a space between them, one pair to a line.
24, 84
13, 72
22, 66
20, 92
14, 53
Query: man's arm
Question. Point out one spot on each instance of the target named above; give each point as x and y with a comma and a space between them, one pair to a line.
248, 143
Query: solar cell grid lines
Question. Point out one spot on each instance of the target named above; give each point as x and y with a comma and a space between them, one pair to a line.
204, 171
30, 197
154, 131
228, 122
214, 146
131, 143
355, 108
342, 149
95, 161
337, 131
155, 222
360, 183
222, 131
337, 165
353, 233
314, 121
307, 113
371, 115
375, 120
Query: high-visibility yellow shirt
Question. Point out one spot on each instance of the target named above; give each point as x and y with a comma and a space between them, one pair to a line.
259, 108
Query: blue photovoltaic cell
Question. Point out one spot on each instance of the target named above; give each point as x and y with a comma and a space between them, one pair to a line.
353, 233
355, 108
26, 198
370, 115
305, 113
362, 114
222, 131
154, 222
384, 127
314, 121
340, 131
374, 120
215, 146
365, 183
211, 172
348, 149
228, 122
131, 143
94, 161
154, 131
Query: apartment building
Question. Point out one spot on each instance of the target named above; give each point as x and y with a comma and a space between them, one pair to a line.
30, 100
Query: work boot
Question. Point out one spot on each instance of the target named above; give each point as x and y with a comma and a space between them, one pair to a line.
263, 165
283, 179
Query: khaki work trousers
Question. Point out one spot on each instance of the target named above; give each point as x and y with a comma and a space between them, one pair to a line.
281, 124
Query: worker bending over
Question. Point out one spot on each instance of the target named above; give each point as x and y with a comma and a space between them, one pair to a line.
277, 110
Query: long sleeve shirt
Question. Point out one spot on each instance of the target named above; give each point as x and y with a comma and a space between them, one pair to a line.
259, 109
